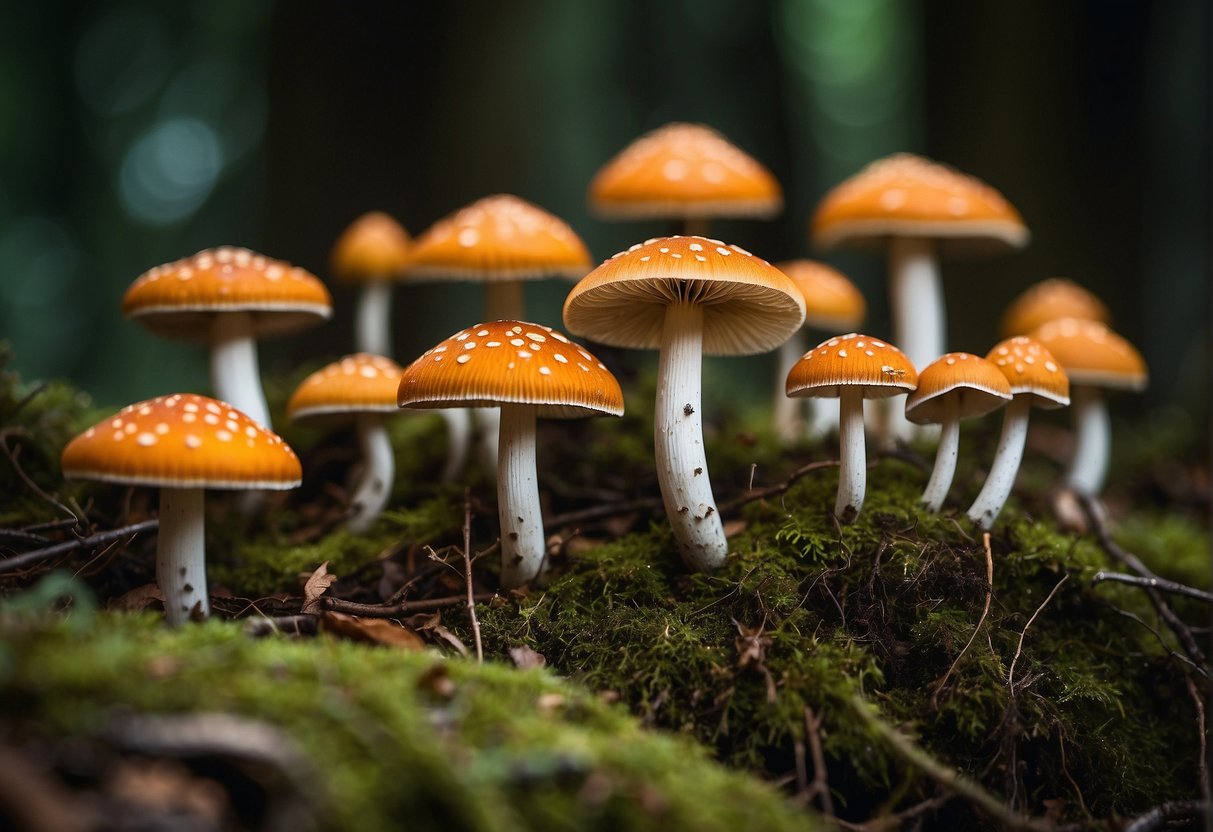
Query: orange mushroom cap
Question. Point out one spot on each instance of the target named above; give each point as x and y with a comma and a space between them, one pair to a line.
1051, 300
373, 247
749, 306
512, 362
978, 386
684, 170
1031, 370
831, 302
908, 196
182, 441
1093, 355
499, 238
359, 383
852, 360
179, 299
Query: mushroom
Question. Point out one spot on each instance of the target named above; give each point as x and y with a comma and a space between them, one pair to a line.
1036, 378
832, 304
182, 444
359, 388
372, 253
852, 368
920, 209
528, 371
687, 296
1051, 300
229, 297
955, 386
499, 241
684, 171
1094, 357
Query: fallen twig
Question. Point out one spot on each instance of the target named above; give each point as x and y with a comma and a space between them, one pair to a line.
820, 787
1202, 771
599, 512
1024, 632
1162, 814
403, 608
1160, 584
772, 490
985, 542
13, 454
467, 570
21, 561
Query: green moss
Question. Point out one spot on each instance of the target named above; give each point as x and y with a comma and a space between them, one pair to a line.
494, 749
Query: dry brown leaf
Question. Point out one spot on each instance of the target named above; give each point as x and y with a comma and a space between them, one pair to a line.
383, 631
138, 599
316, 585
549, 702
524, 657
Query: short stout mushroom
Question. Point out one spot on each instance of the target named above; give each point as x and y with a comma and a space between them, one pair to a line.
228, 298
371, 254
360, 389
528, 371
686, 172
955, 386
1095, 358
1036, 379
686, 296
832, 304
852, 368
182, 444
500, 241
1051, 300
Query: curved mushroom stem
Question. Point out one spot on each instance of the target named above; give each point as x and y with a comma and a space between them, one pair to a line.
789, 417
372, 321
853, 469
234, 373
488, 437
682, 467
999, 481
458, 432
1093, 437
181, 554
377, 475
503, 300
945, 456
919, 317
522, 540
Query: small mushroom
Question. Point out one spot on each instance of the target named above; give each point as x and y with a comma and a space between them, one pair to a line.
832, 304
1051, 300
528, 371
1036, 378
1095, 358
372, 253
686, 296
852, 368
687, 172
955, 386
360, 388
229, 297
182, 444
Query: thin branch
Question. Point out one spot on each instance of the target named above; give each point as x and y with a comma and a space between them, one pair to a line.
1160, 584
21, 561
403, 608
13, 454
1161, 815
1024, 632
820, 786
599, 512
985, 542
772, 490
1202, 731
467, 570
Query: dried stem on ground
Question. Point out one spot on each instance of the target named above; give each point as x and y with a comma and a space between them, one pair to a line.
19, 562
985, 542
467, 569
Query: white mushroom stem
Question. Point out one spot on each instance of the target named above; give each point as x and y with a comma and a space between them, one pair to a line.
522, 540
920, 320
488, 433
852, 455
458, 435
503, 300
378, 472
789, 417
945, 456
1093, 438
372, 321
234, 373
682, 467
181, 554
999, 481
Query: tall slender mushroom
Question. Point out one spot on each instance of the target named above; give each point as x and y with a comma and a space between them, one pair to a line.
832, 304
1051, 300
182, 444
528, 371
372, 253
229, 297
687, 296
956, 386
1095, 358
687, 172
852, 368
500, 241
1036, 379
360, 388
